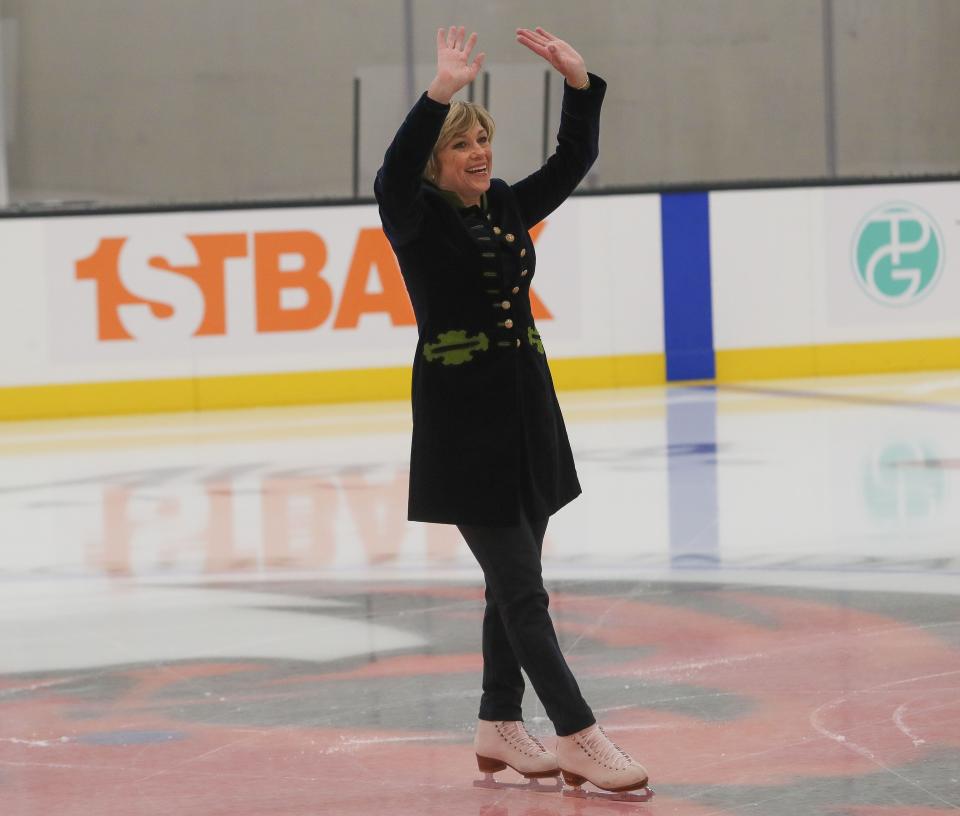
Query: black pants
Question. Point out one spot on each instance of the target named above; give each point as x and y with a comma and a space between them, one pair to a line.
517, 630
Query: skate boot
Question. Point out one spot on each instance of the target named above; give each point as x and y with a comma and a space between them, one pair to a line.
506, 742
590, 756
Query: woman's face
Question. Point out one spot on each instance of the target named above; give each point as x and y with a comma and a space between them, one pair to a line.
466, 162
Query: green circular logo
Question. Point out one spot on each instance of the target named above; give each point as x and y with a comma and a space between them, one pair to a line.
898, 254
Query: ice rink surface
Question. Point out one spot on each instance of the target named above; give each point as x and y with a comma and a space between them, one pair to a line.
227, 613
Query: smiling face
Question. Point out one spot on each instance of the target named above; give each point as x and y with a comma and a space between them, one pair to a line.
465, 164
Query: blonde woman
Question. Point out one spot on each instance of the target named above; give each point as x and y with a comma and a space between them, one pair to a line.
490, 450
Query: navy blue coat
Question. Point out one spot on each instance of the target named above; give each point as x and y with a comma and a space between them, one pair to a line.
488, 435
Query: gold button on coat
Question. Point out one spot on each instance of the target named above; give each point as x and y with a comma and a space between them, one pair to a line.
515, 289
518, 342
508, 323
510, 237
523, 252
505, 304
497, 230
523, 274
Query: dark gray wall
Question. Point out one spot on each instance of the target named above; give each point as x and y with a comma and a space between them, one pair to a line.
154, 100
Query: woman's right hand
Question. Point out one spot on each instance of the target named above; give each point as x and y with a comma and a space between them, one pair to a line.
454, 69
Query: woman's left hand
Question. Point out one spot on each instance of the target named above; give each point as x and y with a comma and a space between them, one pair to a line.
561, 55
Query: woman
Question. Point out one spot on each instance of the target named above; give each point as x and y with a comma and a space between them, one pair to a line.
490, 451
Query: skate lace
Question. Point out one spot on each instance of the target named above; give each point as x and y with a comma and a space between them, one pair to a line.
517, 736
604, 750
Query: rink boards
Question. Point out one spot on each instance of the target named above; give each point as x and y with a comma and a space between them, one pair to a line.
197, 310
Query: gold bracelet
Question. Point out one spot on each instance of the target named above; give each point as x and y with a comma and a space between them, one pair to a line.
585, 85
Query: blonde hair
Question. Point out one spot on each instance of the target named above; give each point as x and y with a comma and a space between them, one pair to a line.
461, 117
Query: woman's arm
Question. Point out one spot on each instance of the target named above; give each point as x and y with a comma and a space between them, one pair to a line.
578, 141
397, 186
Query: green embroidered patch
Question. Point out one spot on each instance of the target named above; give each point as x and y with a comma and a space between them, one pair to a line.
454, 347
533, 337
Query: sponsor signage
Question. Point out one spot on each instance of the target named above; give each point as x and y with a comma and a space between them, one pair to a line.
890, 260
319, 282
898, 254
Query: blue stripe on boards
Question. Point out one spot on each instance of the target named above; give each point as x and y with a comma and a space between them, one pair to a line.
687, 303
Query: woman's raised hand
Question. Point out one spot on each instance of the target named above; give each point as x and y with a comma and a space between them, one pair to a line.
454, 69
561, 55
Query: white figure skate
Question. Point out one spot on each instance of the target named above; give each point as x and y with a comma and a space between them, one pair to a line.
591, 756
506, 743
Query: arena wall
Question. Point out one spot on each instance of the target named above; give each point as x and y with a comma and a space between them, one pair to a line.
159, 311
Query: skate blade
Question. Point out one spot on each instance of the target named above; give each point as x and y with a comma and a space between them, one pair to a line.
640, 795
531, 785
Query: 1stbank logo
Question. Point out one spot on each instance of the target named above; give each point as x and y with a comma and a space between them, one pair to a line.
898, 254
142, 295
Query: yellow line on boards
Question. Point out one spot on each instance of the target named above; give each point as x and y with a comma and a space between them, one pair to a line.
299, 388
619, 371
378, 384
734, 365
